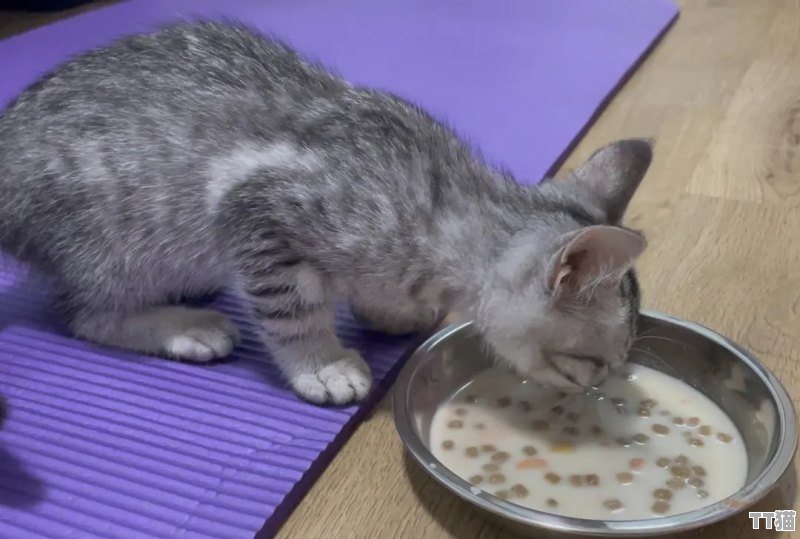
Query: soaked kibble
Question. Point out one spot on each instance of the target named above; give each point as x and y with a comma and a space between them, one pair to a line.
644, 412
573, 417
576, 480
476, 479
552, 502
640, 438
699, 471
524, 406
613, 504
700, 493
503, 402
448, 444
662, 462
677, 420
557, 409
648, 403
724, 438
625, 478
503, 494
472, 452
696, 482
682, 459
658, 428
592, 479
552, 478
455, 424
540, 425
490, 467
679, 471
676, 483
660, 507
696, 442
662, 494
488, 448
623, 441
530, 450
636, 464
461, 411
617, 401
693, 421
570, 431
497, 478
500, 456
520, 490
597, 430
705, 430
562, 447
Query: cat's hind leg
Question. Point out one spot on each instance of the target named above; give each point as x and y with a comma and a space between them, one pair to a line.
395, 316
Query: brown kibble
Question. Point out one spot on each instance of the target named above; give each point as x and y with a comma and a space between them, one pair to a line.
699, 471
693, 421
480, 426
662, 494
592, 479
472, 452
570, 431
497, 478
679, 471
625, 478
557, 409
488, 448
676, 483
503, 402
551, 502
696, 482
677, 420
503, 494
562, 447
640, 438
597, 430
524, 406
613, 504
648, 403
724, 438
530, 450
682, 459
705, 430
636, 463
576, 480
644, 412
455, 424
519, 490
696, 442
616, 401
658, 428
700, 493
500, 457
662, 462
624, 442
532, 463
573, 417
552, 478
461, 411
490, 467
660, 507
448, 444
540, 425
476, 479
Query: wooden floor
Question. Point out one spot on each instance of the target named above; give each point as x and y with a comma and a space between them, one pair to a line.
721, 207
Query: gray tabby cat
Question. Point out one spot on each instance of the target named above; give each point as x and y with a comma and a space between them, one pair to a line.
170, 164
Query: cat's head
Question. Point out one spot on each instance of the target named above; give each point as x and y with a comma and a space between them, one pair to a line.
561, 303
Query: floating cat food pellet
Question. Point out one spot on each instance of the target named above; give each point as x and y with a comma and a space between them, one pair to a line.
472, 452
625, 477
557, 409
552, 478
480, 426
497, 478
648, 403
676, 483
658, 428
503, 494
696, 482
644, 412
503, 402
662, 462
533, 463
455, 424
490, 467
572, 417
680, 471
540, 425
700, 493
597, 430
705, 430
592, 479
519, 490
677, 420
524, 406
724, 438
660, 507
640, 438
461, 411
682, 459
613, 504
500, 456
448, 444
562, 447
696, 442
636, 464
699, 471
662, 494
616, 401
570, 431
488, 448
693, 421
530, 450
576, 480
476, 479
551, 502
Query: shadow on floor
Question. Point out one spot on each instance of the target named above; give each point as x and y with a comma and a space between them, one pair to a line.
19, 488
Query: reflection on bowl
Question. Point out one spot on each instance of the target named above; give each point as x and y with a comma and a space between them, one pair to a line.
730, 376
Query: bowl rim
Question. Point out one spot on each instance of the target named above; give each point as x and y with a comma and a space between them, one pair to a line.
750, 493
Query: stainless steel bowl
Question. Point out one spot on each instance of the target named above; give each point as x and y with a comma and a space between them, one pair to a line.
730, 376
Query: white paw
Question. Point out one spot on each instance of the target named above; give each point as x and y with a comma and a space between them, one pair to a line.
345, 380
212, 337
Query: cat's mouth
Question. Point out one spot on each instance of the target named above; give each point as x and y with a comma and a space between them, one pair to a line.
579, 372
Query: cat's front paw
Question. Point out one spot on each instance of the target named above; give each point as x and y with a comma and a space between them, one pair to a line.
345, 380
203, 335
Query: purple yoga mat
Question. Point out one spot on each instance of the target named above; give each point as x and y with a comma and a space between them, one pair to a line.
103, 443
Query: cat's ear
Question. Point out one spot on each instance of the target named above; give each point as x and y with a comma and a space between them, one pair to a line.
593, 256
610, 177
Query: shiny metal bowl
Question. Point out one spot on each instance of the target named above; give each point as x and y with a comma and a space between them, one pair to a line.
730, 376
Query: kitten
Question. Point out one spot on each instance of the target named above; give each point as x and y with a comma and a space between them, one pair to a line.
173, 163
